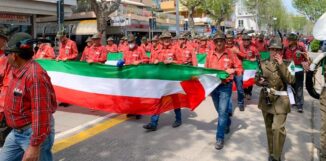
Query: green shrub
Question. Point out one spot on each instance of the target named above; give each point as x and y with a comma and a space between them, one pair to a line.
315, 45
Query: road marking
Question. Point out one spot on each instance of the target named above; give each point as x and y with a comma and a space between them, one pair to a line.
88, 133
79, 128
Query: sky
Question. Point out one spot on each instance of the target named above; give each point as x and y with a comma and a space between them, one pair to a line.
289, 6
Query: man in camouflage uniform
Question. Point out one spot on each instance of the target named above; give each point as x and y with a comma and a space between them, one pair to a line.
274, 77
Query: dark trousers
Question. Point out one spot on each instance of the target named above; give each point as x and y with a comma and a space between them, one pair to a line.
248, 91
298, 88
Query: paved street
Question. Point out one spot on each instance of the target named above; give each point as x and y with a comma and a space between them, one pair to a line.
126, 140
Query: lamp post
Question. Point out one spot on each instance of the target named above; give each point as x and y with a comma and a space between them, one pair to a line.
274, 22
177, 17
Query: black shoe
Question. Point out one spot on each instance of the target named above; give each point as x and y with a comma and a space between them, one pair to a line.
241, 108
129, 115
150, 127
270, 158
64, 104
300, 109
219, 144
248, 96
227, 130
176, 124
138, 117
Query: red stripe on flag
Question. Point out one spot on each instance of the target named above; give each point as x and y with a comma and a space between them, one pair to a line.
246, 84
249, 82
132, 105
195, 92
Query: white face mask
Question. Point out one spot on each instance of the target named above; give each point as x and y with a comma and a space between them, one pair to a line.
131, 46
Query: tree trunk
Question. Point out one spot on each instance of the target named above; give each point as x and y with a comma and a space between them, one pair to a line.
102, 11
101, 26
191, 21
218, 23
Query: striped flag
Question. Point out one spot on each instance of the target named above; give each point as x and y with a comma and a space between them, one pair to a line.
142, 89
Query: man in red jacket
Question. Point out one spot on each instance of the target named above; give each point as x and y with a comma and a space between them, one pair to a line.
98, 52
167, 55
68, 48
111, 47
29, 105
222, 59
296, 52
5, 76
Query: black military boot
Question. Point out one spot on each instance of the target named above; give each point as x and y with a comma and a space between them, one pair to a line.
150, 127
300, 109
176, 124
241, 108
219, 144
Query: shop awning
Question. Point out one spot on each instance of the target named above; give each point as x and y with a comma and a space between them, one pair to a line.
83, 27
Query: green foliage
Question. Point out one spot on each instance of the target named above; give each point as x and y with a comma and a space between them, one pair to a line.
313, 9
267, 11
315, 45
300, 24
218, 10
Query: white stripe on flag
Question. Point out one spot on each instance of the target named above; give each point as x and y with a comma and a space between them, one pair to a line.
248, 74
115, 86
209, 82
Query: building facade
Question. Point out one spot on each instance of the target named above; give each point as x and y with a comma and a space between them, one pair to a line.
244, 18
21, 15
131, 17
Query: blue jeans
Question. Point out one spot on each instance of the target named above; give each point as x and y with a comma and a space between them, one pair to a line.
221, 97
155, 118
17, 143
230, 105
239, 83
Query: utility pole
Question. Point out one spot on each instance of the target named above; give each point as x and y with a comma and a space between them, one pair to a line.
60, 14
256, 8
177, 17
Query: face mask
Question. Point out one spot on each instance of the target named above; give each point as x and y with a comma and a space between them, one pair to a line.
131, 46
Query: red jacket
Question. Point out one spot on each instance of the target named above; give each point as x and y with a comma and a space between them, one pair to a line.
68, 50
223, 61
135, 54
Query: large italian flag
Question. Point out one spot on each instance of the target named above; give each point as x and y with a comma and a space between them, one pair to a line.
249, 67
142, 89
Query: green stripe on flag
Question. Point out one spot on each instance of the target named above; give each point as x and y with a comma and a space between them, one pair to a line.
201, 58
144, 71
114, 56
119, 56
249, 65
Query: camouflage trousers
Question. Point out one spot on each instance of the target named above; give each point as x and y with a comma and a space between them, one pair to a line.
323, 126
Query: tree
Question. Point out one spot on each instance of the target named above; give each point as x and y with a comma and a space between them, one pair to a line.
271, 13
219, 10
299, 24
102, 10
191, 5
312, 9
